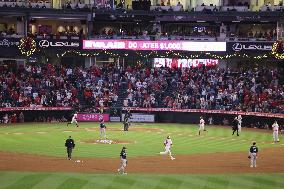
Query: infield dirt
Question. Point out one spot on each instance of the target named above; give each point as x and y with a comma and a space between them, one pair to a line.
269, 161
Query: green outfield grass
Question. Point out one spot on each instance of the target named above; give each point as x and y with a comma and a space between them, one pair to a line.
12, 180
48, 139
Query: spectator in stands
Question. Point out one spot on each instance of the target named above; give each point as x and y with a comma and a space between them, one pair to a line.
180, 5
215, 8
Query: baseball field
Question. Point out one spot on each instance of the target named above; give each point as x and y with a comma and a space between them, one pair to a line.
33, 156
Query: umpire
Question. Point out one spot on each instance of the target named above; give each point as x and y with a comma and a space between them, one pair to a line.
70, 145
126, 123
235, 126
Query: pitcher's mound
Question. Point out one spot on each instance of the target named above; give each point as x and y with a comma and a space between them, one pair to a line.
107, 141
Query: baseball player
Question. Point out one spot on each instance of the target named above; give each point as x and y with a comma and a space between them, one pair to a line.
253, 154
168, 143
275, 128
240, 123
201, 125
123, 159
74, 120
235, 126
102, 128
126, 123
70, 145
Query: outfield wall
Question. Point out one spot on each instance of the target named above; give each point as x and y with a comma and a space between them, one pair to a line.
250, 119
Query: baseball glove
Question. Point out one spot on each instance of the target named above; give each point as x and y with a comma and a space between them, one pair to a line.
249, 157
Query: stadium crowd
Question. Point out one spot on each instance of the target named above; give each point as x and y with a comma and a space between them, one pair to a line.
57, 86
211, 88
206, 88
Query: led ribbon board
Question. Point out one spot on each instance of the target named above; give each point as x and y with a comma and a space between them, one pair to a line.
154, 45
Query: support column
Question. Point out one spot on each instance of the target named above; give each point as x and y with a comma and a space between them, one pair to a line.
280, 30
90, 25
20, 26
26, 24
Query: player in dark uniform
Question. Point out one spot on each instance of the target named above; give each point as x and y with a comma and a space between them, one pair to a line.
126, 123
70, 145
128, 114
253, 150
235, 126
102, 129
123, 159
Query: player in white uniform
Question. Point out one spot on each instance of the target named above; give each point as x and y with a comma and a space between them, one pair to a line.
201, 125
74, 120
275, 128
239, 122
168, 143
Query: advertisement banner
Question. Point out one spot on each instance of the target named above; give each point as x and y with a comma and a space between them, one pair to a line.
249, 47
9, 47
154, 45
205, 111
58, 43
92, 117
114, 119
35, 109
183, 63
43, 43
136, 117
9, 42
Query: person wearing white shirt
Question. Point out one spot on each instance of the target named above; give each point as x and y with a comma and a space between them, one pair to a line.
58, 96
132, 79
239, 122
168, 144
275, 128
125, 102
74, 120
134, 104
101, 102
115, 97
69, 71
201, 125
69, 95
144, 84
35, 94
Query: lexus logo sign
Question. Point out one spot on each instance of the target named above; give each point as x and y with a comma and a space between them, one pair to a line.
251, 46
45, 44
